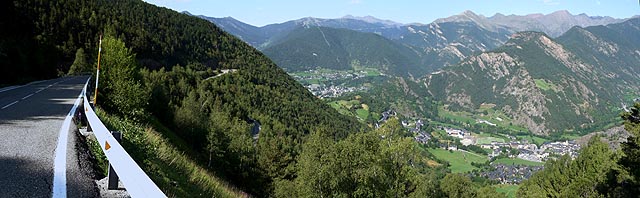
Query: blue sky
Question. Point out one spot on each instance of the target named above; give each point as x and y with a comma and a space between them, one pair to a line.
263, 12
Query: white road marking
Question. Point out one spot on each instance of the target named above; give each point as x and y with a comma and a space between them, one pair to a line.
10, 88
60, 161
14, 102
28, 96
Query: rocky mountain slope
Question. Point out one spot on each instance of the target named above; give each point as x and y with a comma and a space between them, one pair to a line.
576, 82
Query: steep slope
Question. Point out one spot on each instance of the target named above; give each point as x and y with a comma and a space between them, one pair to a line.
204, 120
547, 85
447, 43
322, 47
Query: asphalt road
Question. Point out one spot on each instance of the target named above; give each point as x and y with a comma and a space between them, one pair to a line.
31, 118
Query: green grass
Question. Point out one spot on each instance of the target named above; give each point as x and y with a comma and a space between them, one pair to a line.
460, 162
341, 108
533, 139
491, 116
363, 114
544, 85
445, 125
457, 116
570, 136
508, 189
161, 155
517, 161
488, 140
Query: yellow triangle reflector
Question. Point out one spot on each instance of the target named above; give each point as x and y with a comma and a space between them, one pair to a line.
106, 145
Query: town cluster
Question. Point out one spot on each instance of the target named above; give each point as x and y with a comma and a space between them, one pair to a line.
331, 91
323, 90
503, 173
526, 150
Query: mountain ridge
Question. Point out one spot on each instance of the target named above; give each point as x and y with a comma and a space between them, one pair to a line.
548, 85
445, 41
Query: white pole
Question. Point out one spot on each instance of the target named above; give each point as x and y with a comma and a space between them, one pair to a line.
95, 96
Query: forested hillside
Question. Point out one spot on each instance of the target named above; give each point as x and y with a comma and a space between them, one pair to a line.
321, 47
210, 120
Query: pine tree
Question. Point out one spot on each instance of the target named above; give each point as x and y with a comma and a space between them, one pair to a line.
80, 64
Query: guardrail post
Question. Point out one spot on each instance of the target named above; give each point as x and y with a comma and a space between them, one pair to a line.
113, 177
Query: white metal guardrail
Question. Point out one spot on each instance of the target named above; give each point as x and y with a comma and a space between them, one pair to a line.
136, 181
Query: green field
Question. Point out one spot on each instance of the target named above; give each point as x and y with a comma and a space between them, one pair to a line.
341, 109
533, 139
571, 136
346, 107
488, 140
457, 116
485, 112
517, 161
362, 113
544, 85
508, 189
459, 161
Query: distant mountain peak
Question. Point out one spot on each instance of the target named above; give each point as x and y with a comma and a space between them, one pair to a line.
561, 12
469, 16
371, 19
466, 15
469, 13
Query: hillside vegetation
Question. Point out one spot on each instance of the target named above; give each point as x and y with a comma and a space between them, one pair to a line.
322, 47
209, 120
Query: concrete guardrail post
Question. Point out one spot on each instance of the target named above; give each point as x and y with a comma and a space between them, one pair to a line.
113, 177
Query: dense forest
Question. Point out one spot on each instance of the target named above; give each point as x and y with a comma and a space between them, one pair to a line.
314, 47
254, 126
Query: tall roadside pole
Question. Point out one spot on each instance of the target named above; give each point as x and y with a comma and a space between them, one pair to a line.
95, 96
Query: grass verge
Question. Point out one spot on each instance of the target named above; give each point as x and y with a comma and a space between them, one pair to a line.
171, 169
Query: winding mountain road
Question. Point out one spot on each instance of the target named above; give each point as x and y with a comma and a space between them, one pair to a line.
31, 121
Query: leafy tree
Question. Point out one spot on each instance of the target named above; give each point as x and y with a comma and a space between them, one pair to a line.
80, 64
582, 177
489, 192
457, 185
120, 90
380, 163
625, 181
317, 170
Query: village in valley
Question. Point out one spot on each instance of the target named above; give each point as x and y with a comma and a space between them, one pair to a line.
502, 158
327, 83
511, 160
